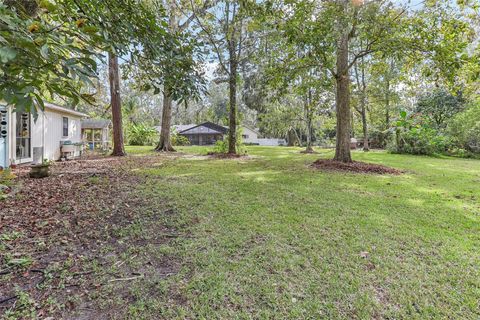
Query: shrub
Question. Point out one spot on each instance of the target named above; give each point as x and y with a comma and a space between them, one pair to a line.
465, 129
379, 139
423, 140
178, 140
221, 146
415, 136
141, 135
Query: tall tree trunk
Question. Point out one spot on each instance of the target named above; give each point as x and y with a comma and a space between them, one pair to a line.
165, 143
116, 105
308, 148
308, 116
232, 127
342, 150
387, 104
362, 86
365, 127
291, 138
165, 140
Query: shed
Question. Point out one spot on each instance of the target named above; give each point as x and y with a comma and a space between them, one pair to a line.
96, 133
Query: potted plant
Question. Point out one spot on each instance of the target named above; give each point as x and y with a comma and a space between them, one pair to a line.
40, 170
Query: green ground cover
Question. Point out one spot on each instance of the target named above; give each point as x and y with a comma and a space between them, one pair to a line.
268, 237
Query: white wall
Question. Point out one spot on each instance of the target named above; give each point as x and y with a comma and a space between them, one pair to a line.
47, 131
271, 142
251, 136
53, 132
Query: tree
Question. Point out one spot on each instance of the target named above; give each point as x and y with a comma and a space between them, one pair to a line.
439, 106
361, 86
226, 32
116, 105
331, 28
169, 86
124, 28
43, 56
327, 29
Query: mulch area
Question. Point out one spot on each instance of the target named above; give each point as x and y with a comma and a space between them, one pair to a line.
355, 167
51, 228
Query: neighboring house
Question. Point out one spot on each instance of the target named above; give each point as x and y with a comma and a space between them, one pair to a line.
252, 136
96, 133
204, 134
249, 135
26, 140
208, 133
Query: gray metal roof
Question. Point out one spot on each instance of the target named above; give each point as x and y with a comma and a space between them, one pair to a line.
201, 130
205, 128
182, 127
95, 123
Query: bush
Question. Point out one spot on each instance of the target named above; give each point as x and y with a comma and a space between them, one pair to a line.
178, 140
414, 136
379, 139
141, 135
465, 129
422, 141
221, 146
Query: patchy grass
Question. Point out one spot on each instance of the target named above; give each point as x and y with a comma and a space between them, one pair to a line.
268, 237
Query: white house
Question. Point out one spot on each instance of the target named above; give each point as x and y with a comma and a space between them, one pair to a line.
252, 136
26, 140
249, 135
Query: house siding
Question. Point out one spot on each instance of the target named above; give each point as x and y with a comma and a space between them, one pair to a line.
46, 133
248, 135
54, 132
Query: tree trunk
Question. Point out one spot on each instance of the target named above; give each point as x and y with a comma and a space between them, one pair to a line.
232, 128
365, 128
387, 104
165, 142
342, 149
291, 138
308, 115
116, 105
363, 106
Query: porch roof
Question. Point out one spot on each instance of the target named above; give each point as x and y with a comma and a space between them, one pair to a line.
95, 123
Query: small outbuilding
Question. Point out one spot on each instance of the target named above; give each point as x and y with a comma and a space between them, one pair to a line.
96, 133
24, 139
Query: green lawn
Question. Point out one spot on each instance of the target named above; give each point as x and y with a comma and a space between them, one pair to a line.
270, 238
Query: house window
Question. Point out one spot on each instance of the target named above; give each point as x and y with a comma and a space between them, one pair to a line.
65, 126
244, 136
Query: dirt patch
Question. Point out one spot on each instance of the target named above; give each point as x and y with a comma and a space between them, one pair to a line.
355, 167
68, 237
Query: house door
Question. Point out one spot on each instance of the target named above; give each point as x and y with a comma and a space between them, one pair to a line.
24, 137
3, 136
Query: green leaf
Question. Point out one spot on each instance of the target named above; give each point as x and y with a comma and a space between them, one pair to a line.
7, 54
44, 51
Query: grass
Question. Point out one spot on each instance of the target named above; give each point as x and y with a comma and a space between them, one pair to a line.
275, 239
